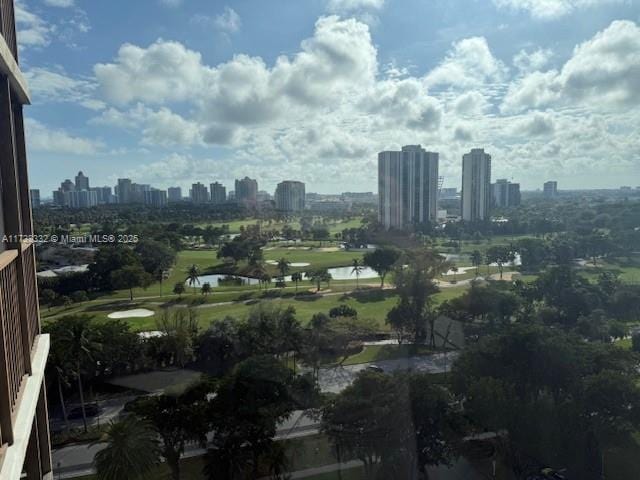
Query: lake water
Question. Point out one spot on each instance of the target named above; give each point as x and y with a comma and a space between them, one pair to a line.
339, 273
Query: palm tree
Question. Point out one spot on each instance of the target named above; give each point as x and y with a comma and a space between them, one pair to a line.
131, 451
317, 277
206, 288
357, 269
296, 277
80, 346
193, 277
476, 260
283, 267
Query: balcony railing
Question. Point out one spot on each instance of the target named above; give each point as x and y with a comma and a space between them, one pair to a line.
7, 26
19, 327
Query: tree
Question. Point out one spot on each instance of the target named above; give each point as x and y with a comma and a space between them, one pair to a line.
206, 288
283, 267
318, 276
297, 278
193, 277
382, 261
500, 254
635, 342
395, 424
476, 260
155, 256
357, 268
179, 288
130, 277
47, 297
343, 311
74, 335
178, 420
131, 451
110, 259
248, 405
415, 286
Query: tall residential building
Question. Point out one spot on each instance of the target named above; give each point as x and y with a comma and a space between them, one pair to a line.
80, 199
82, 181
551, 189
125, 194
24, 424
174, 194
505, 193
67, 186
476, 186
407, 187
218, 193
247, 192
290, 196
104, 195
156, 198
199, 193
35, 197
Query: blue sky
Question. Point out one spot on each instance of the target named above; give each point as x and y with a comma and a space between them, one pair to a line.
170, 92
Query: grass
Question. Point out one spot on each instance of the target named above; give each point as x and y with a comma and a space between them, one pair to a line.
372, 304
335, 226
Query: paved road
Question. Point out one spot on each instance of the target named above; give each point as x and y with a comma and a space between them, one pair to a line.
337, 379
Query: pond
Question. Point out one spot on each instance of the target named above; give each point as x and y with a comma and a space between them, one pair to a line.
338, 273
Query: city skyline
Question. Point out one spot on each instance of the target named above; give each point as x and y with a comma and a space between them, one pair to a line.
520, 80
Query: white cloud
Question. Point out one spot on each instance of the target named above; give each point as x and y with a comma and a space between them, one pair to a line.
348, 6
43, 139
55, 85
33, 31
60, 3
469, 63
538, 124
470, 103
604, 70
228, 21
527, 62
550, 9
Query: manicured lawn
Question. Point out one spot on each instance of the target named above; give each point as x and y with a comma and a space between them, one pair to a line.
371, 304
334, 226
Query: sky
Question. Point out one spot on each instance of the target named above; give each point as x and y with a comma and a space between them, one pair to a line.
170, 92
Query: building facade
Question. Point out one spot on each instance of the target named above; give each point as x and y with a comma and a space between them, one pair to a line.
551, 189
156, 198
174, 194
82, 181
35, 197
246, 192
24, 427
218, 193
290, 196
407, 187
476, 186
505, 194
199, 193
125, 193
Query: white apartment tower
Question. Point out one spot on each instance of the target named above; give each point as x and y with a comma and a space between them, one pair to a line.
407, 187
476, 186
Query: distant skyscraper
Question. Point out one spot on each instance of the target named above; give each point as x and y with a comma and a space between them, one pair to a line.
218, 193
82, 181
174, 194
125, 194
35, 197
199, 193
476, 186
247, 191
551, 189
67, 186
290, 196
104, 195
407, 186
80, 199
155, 198
505, 193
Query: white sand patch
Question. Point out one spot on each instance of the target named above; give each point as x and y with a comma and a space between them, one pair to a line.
135, 313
